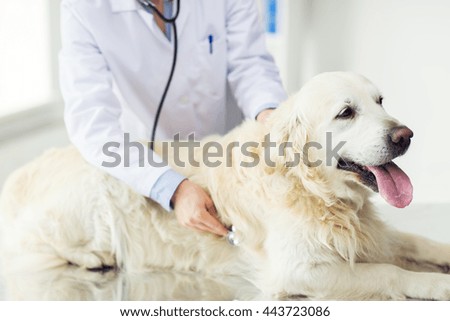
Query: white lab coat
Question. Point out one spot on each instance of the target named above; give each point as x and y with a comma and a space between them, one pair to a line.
115, 62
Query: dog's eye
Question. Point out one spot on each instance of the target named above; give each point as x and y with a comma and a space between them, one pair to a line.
346, 113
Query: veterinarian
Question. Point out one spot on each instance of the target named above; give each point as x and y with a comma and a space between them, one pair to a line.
114, 64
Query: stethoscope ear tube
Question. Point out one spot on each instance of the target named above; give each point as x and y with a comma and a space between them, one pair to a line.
151, 8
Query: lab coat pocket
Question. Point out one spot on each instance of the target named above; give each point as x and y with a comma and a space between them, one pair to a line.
211, 68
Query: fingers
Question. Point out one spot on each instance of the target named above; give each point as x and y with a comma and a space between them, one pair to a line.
213, 224
211, 208
195, 209
212, 220
206, 222
264, 115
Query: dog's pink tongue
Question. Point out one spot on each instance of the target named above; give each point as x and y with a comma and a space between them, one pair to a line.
394, 185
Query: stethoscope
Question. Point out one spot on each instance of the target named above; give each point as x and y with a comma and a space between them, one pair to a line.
148, 6
151, 8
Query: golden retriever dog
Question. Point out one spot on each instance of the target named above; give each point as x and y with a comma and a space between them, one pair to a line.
304, 219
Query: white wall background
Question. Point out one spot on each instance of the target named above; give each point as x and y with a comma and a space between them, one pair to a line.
403, 46
25, 80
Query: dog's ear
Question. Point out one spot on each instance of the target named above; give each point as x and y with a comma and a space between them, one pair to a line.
289, 132
289, 129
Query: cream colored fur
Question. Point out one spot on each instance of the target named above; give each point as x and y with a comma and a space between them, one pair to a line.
304, 230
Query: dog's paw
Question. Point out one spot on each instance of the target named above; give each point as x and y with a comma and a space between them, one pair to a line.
90, 260
440, 291
108, 259
433, 286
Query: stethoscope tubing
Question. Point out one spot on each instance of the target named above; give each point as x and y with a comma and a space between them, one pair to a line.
151, 8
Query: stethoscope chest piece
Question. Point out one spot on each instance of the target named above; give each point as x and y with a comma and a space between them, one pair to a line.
232, 237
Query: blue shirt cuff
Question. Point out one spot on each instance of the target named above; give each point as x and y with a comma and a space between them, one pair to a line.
264, 107
165, 187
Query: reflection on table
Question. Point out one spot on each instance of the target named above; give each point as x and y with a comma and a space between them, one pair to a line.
72, 283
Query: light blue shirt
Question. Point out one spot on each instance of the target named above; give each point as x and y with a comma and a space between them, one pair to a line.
165, 187
168, 12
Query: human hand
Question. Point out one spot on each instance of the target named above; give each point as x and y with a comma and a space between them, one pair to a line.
195, 209
263, 115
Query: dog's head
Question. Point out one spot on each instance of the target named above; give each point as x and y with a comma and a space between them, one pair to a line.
344, 133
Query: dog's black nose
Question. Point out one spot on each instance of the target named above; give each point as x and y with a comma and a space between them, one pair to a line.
400, 139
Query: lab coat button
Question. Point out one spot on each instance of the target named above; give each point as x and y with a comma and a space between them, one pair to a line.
184, 99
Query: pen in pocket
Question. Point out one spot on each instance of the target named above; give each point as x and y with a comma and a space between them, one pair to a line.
211, 40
